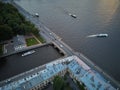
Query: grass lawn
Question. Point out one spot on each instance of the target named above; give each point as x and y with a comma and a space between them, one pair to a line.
40, 38
1, 49
31, 41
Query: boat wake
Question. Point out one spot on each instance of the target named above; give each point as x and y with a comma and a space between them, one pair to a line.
98, 35
92, 36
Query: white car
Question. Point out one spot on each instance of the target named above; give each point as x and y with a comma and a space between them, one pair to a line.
61, 45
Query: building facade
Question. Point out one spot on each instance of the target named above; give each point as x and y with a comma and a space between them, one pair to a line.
77, 68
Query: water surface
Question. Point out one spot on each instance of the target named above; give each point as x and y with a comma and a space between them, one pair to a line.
93, 17
16, 64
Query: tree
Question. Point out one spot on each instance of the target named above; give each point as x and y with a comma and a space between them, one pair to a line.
15, 22
24, 29
58, 83
5, 32
1, 20
21, 17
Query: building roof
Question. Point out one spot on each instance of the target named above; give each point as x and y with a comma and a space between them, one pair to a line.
92, 79
37, 78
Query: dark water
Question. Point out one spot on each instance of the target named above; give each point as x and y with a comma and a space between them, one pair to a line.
17, 64
93, 16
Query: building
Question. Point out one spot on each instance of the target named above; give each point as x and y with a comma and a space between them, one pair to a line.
89, 77
38, 80
19, 42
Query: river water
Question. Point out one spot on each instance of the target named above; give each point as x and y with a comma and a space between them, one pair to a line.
16, 64
93, 17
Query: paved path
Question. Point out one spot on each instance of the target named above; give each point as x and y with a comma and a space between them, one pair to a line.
36, 39
9, 48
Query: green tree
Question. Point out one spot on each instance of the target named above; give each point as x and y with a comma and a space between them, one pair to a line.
14, 22
58, 83
5, 32
1, 20
21, 17
24, 29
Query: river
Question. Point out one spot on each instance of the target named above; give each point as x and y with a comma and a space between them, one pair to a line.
93, 17
16, 64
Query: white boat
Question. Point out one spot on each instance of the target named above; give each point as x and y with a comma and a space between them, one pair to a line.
28, 53
73, 15
36, 14
101, 35
98, 35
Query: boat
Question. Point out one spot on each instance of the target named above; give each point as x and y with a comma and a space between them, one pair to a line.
36, 14
73, 15
28, 53
101, 35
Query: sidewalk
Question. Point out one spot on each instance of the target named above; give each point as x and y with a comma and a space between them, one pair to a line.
36, 38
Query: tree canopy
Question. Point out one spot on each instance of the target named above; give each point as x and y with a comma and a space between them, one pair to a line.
58, 83
13, 23
5, 32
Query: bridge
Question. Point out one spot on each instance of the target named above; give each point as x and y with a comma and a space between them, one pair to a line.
52, 37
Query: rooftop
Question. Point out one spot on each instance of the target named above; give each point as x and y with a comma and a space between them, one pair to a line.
79, 69
91, 79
